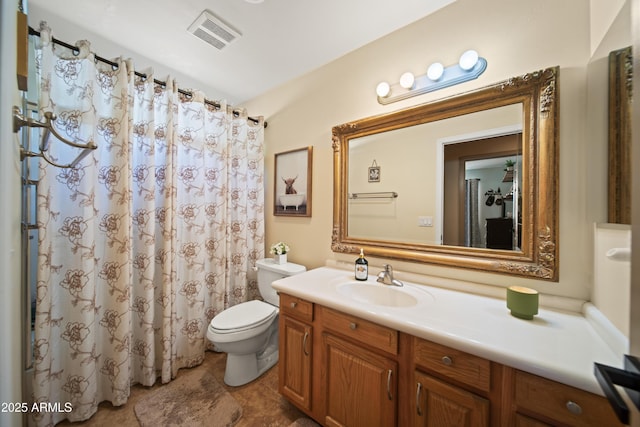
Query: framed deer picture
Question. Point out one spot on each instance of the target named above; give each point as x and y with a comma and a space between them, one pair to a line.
292, 182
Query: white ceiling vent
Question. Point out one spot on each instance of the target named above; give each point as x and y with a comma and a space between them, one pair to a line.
213, 30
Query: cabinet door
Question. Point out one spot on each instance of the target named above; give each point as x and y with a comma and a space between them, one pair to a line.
439, 404
295, 361
361, 386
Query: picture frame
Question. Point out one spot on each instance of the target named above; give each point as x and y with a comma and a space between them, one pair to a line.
374, 174
292, 182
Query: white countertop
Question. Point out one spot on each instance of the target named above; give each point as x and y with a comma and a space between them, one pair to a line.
561, 346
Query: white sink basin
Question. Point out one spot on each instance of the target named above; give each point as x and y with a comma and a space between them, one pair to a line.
379, 294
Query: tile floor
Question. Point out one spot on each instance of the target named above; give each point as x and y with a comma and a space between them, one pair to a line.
262, 405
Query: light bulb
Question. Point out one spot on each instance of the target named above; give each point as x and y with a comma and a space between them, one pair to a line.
468, 60
435, 70
407, 80
383, 89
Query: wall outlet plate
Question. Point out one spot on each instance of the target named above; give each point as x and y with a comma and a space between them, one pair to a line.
425, 221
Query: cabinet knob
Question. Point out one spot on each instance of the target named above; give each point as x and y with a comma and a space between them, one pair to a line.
447, 360
574, 408
294, 304
353, 326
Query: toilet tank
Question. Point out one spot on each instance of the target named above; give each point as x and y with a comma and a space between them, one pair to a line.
269, 271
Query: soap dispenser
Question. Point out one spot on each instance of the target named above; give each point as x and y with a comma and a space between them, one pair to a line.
362, 267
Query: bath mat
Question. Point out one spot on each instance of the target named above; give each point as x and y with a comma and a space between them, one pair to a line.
194, 398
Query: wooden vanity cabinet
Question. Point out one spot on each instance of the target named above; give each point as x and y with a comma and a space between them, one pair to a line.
441, 404
538, 401
345, 371
452, 388
359, 371
360, 385
296, 350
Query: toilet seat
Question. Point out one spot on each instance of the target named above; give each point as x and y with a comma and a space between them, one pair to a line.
241, 317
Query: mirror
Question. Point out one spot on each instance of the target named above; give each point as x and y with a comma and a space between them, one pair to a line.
400, 180
477, 155
620, 96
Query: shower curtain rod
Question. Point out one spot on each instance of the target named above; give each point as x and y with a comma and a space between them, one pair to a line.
75, 49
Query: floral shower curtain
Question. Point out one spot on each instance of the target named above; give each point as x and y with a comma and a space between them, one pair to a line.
146, 239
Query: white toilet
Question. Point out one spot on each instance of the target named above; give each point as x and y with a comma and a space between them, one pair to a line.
248, 332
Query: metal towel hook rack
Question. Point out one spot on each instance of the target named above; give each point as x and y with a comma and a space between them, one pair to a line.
19, 121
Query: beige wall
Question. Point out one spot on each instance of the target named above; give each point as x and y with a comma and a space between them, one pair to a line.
515, 37
610, 293
612, 276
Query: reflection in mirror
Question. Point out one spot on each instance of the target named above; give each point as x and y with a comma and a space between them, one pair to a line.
620, 98
487, 198
432, 177
469, 181
480, 210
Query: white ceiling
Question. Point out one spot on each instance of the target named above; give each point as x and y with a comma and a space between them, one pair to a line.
281, 39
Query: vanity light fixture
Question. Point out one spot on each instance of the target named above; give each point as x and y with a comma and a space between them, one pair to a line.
469, 67
435, 71
468, 60
383, 89
407, 80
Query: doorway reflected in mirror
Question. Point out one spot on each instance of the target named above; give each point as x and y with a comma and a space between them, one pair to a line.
482, 193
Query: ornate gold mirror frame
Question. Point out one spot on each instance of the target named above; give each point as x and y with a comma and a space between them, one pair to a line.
538, 255
620, 96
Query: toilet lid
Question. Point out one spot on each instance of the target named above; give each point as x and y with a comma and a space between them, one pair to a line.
243, 316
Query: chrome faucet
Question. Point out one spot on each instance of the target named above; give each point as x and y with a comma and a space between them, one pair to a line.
386, 277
